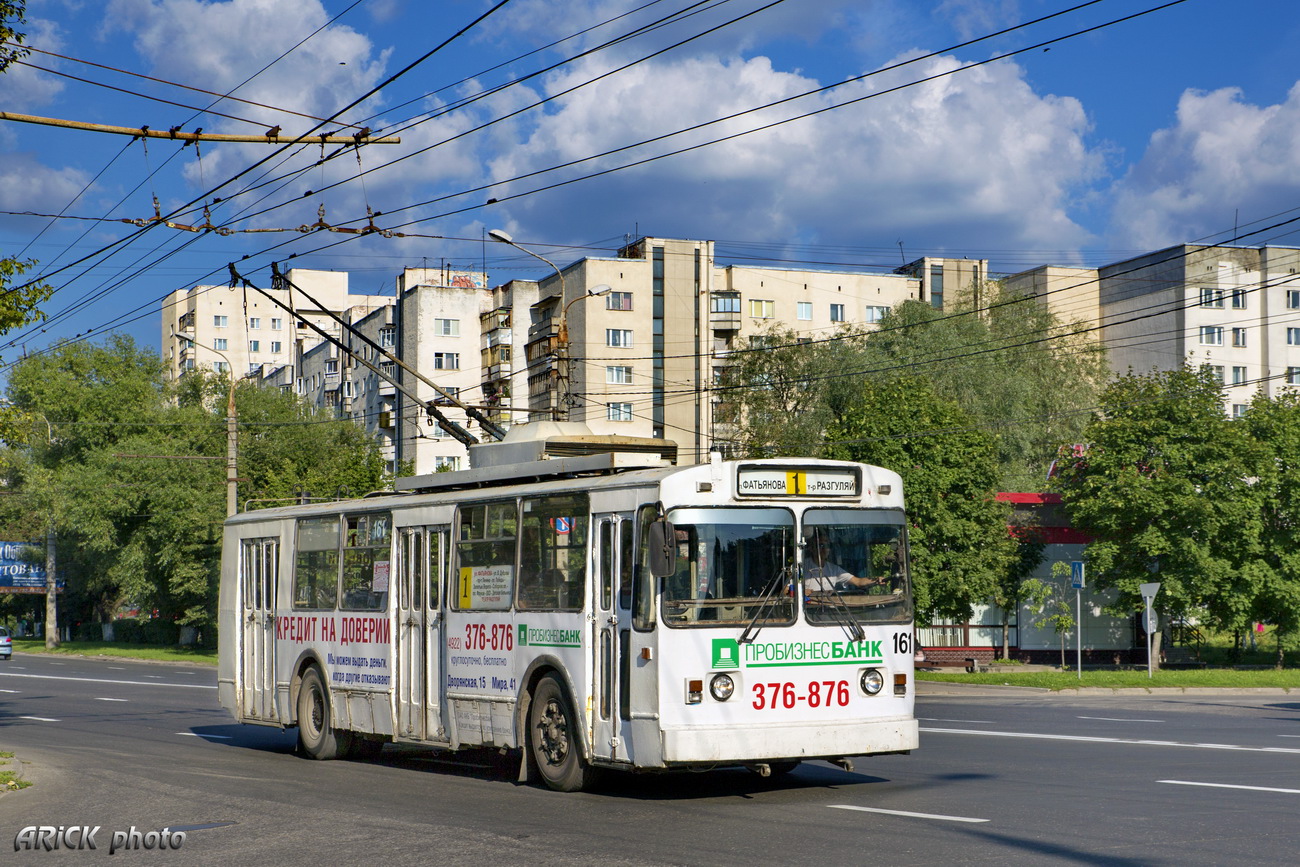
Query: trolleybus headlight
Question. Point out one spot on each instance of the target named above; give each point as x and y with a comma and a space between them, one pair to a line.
722, 686
871, 681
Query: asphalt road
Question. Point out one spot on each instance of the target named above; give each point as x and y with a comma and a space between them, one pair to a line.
1009, 778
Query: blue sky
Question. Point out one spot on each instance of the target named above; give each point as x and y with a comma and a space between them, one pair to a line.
1170, 127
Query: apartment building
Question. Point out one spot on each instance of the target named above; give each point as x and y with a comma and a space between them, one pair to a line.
1233, 309
630, 344
241, 331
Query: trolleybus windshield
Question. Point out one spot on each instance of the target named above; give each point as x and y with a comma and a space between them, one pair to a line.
855, 563
733, 564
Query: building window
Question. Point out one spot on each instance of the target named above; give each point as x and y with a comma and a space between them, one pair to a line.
221, 367
189, 364
254, 322
837, 312
277, 324
1212, 335
219, 321
302, 385
275, 346
1238, 337
1238, 410
446, 463
876, 313
446, 361
726, 302
1293, 376
1216, 370
1293, 337
219, 344
618, 375
442, 328
254, 346
618, 301
1211, 297
331, 366
803, 311
1238, 375
1293, 299
760, 309
618, 411
618, 337
254, 369
1238, 299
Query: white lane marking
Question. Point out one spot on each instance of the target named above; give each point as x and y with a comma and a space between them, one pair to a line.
104, 680
194, 735
905, 813
1289, 736
935, 719
116, 668
58, 663
1120, 719
15, 691
1230, 786
1139, 742
110, 699
154, 675
40, 718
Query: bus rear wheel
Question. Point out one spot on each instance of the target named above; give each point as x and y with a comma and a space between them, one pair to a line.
552, 738
316, 734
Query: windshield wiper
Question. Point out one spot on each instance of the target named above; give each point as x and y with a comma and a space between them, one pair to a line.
765, 600
844, 616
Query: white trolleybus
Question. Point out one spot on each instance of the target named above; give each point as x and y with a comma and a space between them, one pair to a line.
590, 610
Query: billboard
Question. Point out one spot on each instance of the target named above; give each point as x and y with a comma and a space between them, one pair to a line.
20, 575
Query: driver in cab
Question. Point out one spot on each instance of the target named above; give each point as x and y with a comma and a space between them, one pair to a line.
821, 574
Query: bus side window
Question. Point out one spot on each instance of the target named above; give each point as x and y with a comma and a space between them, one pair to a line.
626, 564
316, 567
485, 555
553, 556
643, 583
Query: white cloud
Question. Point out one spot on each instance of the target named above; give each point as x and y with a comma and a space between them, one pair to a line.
217, 45
974, 159
1222, 156
24, 89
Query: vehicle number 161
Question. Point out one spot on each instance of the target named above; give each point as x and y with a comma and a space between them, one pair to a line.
819, 693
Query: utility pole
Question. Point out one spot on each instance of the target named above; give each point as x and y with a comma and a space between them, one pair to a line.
51, 591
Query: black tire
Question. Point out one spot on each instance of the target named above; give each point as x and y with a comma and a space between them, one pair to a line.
316, 734
553, 733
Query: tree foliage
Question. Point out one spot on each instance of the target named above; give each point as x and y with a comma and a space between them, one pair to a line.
1167, 488
131, 472
1021, 374
957, 530
12, 14
1274, 423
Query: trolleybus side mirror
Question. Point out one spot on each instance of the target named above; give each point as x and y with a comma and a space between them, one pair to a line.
663, 549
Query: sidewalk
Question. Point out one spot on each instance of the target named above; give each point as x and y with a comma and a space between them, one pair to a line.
933, 687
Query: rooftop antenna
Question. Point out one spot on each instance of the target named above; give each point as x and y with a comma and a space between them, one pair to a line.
901, 254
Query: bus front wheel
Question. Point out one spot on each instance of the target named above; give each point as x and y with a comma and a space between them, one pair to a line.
552, 737
316, 734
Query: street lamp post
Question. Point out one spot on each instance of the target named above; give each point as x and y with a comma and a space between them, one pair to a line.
232, 432
562, 360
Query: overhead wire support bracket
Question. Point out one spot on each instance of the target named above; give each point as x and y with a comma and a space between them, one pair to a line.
490, 427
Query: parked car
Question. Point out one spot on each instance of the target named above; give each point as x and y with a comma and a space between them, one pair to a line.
6, 644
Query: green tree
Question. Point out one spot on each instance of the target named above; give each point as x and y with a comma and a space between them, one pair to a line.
11, 18
957, 530
1014, 586
1274, 423
1008, 361
132, 472
1166, 488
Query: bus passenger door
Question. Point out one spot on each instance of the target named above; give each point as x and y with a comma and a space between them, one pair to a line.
260, 569
638, 664
605, 668
421, 552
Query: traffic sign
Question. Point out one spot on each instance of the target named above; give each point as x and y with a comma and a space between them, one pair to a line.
1076, 574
